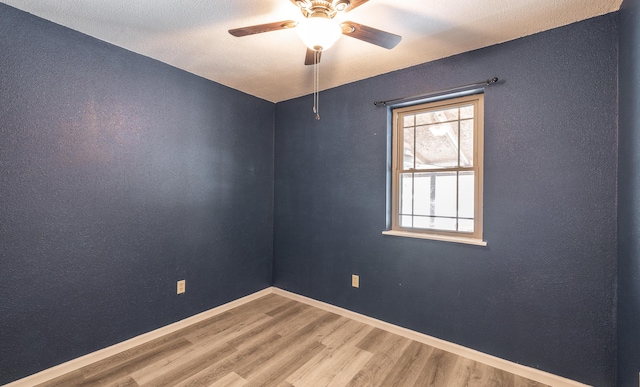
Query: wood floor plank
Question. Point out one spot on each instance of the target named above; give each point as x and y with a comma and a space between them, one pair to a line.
465, 373
231, 380
437, 370
393, 346
267, 328
277, 369
162, 365
232, 324
347, 370
231, 332
177, 361
331, 367
338, 342
373, 339
217, 371
407, 369
298, 321
263, 305
282, 308
137, 363
74, 378
483, 375
191, 367
126, 382
387, 349
351, 333
500, 378
304, 336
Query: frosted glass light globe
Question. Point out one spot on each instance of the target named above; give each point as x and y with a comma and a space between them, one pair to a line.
319, 33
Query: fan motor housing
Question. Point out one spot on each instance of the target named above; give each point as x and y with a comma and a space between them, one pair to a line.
322, 8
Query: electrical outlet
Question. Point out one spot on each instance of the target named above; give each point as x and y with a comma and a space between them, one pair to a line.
181, 286
355, 281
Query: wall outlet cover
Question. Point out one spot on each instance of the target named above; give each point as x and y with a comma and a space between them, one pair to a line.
181, 286
355, 281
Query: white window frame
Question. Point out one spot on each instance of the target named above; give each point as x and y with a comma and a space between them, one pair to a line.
475, 237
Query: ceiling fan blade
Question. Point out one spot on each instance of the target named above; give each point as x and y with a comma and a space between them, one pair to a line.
260, 28
354, 4
310, 59
370, 35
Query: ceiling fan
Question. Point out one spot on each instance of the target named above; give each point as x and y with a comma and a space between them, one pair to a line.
319, 30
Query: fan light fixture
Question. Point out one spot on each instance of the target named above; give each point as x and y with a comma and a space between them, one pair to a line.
319, 32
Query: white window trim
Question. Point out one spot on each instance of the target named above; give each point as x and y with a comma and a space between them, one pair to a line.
475, 238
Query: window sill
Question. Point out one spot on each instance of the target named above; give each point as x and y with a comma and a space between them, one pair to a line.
436, 237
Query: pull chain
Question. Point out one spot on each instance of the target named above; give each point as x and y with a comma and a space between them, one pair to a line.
316, 83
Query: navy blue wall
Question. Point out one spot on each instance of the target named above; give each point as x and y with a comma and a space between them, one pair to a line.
543, 292
629, 197
120, 175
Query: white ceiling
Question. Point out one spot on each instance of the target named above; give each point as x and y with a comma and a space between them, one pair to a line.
192, 35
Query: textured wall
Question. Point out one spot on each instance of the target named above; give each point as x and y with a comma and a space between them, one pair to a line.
542, 293
120, 175
629, 196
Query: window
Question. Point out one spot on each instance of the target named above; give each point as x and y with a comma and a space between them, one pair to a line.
437, 158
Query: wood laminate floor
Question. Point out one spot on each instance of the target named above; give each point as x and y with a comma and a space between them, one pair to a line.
274, 341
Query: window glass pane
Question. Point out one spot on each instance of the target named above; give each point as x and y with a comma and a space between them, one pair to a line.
406, 221
407, 148
437, 116
444, 224
422, 194
409, 121
466, 143
423, 222
466, 202
435, 194
465, 225
437, 146
406, 193
446, 193
466, 112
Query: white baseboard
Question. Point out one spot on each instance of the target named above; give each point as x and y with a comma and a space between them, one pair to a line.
496, 362
104, 353
514, 368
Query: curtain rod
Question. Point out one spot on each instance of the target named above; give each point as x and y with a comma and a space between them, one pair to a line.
486, 83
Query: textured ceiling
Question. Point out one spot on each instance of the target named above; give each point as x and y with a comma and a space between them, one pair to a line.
192, 35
